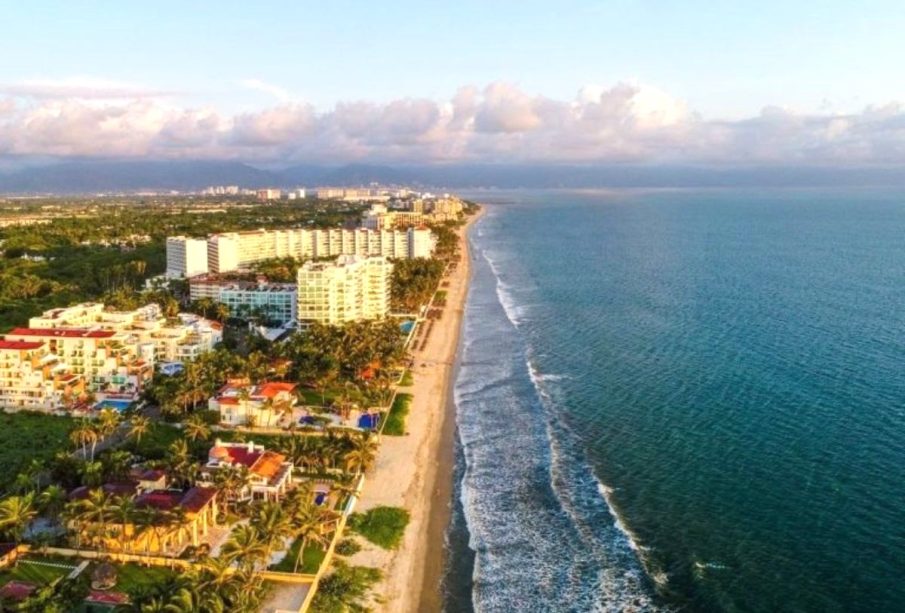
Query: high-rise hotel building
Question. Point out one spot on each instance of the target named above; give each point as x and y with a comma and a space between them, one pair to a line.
352, 288
236, 250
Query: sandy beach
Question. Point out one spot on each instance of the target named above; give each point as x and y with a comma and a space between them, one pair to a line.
415, 471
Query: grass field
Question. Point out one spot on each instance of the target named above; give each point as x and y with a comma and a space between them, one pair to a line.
311, 561
383, 526
39, 570
27, 436
395, 423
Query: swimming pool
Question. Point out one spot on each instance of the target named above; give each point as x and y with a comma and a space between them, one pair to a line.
116, 405
407, 326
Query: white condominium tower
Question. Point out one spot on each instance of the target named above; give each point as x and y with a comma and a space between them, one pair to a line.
352, 288
234, 250
186, 257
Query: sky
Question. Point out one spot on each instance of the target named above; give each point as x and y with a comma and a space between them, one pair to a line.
569, 81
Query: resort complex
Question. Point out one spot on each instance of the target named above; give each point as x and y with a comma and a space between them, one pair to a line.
66, 352
185, 460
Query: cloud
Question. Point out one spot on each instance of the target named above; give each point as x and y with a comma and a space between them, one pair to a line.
497, 123
268, 88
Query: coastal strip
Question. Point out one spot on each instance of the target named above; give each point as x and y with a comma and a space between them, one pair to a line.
415, 471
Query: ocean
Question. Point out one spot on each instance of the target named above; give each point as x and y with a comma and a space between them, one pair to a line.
688, 400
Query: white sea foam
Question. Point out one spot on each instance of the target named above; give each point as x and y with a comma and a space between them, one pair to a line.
540, 544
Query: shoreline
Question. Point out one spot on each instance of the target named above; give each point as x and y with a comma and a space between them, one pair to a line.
415, 471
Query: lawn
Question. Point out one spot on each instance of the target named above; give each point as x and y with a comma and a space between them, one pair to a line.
26, 436
37, 570
407, 379
395, 423
383, 526
311, 561
132, 578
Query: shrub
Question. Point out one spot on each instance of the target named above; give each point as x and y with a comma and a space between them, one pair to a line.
347, 547
344, 588
383, 526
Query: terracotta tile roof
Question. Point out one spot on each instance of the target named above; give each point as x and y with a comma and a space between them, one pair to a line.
241, 455
268, 464
164, 500
62, 332
197, 498
20, 345
270, 390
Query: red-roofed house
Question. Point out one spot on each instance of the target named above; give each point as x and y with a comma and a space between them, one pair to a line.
240, 404
270, 472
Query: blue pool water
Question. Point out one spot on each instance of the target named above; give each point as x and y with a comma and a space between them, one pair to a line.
117, 405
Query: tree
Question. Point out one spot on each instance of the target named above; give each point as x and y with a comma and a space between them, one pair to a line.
16, 512
139, 426
273, 523
83, 435
245, 546
52, 500
361, 456
195, 428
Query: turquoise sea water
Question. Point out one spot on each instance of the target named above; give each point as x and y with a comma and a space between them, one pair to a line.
685, 400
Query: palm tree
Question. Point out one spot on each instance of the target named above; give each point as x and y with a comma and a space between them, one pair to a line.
273, 523
361, 456
91, 473
124, 511
221, 312
139, 426
195, 428
83, 435
232, 482
52, 500
16, 512
245, 546
108, 421
180, 462
92, 512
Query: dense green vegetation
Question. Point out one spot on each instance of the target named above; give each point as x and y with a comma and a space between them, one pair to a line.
395, 423
344, 589
92, 248
383, 526
311, 560
413, 283
29, 439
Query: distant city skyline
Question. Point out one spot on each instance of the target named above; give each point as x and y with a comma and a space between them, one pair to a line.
397, 82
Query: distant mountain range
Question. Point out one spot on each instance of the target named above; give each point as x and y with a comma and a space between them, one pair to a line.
86, 177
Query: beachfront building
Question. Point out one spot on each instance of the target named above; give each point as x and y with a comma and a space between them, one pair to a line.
186, 257
33, 378
182, 517
242, 404
111, 353
352, 288
274, 302
270, 473
231, 251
